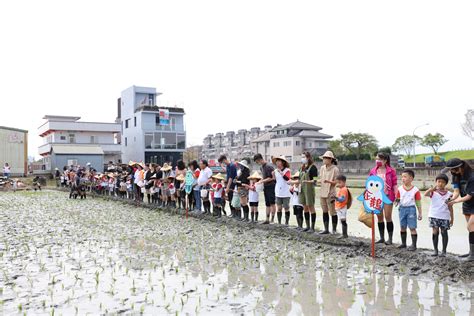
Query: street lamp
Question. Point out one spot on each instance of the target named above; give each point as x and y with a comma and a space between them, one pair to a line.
414, 142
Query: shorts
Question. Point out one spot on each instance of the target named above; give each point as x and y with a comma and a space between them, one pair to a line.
297, 210
217, 201
285, 201
253, 204
269, 194
243, 193
439, 223
467, 210
307, 195
328, 206
342, 213
407, 217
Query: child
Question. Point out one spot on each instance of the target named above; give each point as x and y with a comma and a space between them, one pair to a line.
409, 199
343, 202
295, 199
218, 189
440, 215
206, 202
253, 196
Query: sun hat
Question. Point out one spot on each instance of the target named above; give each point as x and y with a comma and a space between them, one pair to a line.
243, 163
218, 176
328, 154
281, 158
255, 176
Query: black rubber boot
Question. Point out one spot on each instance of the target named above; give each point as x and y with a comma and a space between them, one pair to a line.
471, 248
252, 216
334, 220
435, 238
382, 233
219, 213
287, 218
403, 236
279, 216
390, 233
444, 236
313, 222
414, 238
326, 224
246, 213
238, 212
299, 219
344, 230
306, 219
256, 217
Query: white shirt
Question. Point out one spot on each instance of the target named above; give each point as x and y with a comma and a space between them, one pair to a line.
439, 208
295, 198
407, 198
6, 169
204, 176
253, 196
282, 188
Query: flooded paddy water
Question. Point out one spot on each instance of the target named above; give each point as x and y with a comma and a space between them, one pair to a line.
61, 256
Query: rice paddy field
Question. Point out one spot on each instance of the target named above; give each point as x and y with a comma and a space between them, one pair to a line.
67, 257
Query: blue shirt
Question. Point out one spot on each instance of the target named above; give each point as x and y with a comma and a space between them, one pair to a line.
231, 171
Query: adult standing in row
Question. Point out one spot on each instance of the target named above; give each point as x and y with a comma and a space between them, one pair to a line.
231, 172
268, 181
242, 182
204, 177
193, 166
282, 175
463, 184
328, 175
384, 170
308, 175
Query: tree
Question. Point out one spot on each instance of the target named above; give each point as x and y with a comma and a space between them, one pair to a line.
359, 143
337, 148
468, 125
434, 141
387, 150
406, 143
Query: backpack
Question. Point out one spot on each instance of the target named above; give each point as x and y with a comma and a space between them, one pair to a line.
349, 199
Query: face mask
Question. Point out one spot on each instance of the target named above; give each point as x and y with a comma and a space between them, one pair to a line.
304, 160
378, 163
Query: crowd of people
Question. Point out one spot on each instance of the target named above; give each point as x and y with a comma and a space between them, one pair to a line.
196, 188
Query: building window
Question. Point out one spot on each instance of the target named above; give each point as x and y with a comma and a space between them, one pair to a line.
126, 143
126, 123
135, 121
151, 99
181, 140
310, 144
72, 138
149, 141
94, 140
287, 143
276, 144
297, 143
62, 137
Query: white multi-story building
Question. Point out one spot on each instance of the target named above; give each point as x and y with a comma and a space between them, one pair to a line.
150, 133
68, 141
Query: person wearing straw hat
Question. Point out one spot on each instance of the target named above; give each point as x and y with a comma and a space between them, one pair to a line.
308, 175
241, 199
328, 174
463, 184
282, 175
253, 195
295, 199
217, 190
268, 181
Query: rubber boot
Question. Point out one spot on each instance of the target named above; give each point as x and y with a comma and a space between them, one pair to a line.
219, 213
306, 219
444, 235
435, 238
470, 258
334, 220
279, 216
382, 233
252, 216
313, 222
344, 229
326, 224
256, 217
246, 213
403, 236
390, 233
414, 238
287, 218
299, 220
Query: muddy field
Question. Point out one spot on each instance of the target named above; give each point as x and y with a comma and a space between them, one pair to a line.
95, 256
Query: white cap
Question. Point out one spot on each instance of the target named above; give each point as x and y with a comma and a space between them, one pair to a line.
88, 163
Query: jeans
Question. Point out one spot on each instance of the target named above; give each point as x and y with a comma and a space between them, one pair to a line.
197, 198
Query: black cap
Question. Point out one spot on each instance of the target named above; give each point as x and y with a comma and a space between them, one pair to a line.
452, 164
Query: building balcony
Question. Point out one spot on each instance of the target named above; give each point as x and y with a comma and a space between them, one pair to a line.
51, 126
45, 149
170, 128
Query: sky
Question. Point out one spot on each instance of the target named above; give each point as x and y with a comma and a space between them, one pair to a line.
379, 67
